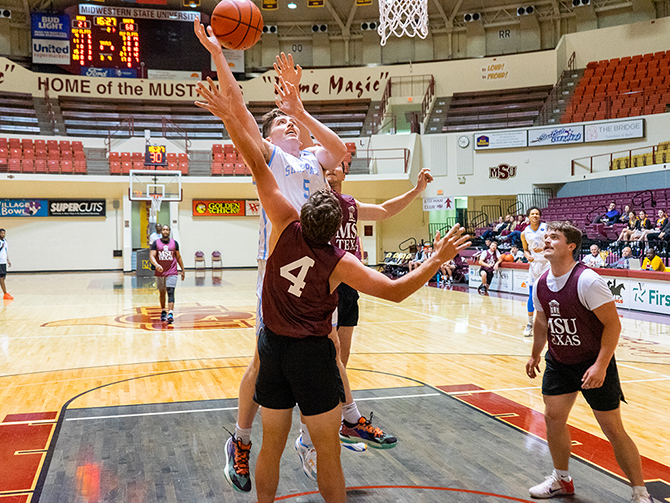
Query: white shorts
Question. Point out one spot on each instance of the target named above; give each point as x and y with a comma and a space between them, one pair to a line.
163, 282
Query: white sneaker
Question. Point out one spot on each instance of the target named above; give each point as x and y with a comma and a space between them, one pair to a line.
307, 457
528, 331
642, 498
551, 487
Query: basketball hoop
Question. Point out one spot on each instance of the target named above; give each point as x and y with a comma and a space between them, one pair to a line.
156, 200
403, 17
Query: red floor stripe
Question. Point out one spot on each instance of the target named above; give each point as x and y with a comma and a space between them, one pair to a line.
20, 470
31, 416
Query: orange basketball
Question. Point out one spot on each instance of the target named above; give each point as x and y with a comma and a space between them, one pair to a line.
237, 24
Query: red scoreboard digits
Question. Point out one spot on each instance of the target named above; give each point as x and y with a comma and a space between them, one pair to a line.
105, 41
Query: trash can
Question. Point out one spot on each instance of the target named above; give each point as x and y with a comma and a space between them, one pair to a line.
144, 268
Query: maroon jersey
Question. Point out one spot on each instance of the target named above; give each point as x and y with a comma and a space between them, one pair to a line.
296, 292
166, 256
347, 235
574, 333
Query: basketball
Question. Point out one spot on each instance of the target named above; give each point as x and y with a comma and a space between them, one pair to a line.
237, 24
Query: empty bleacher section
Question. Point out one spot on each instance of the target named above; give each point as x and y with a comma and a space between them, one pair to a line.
626, 87
17, 114
39, 156
344, 117
503, 108
622, 159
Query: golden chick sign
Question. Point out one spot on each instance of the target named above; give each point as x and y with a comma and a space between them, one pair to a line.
219, 208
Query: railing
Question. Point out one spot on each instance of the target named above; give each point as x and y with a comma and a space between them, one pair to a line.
427, 101
386, 96
493, 211
622, 159
488, 120
171, 129
51, 115
412, 244
380, 161
127, 125
552, 99
640, 199
408, 86
539, 197
384, 124
442, 227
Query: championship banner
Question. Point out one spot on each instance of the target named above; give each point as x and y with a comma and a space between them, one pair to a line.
219, 208
438, 203
24, 208
77, 208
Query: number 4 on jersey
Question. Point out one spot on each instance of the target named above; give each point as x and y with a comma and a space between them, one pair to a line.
298, 282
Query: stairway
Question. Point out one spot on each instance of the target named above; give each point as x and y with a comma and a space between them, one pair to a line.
200, 163
96, 161
559, 98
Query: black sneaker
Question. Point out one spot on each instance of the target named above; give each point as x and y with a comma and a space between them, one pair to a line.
170, 319
163, 316
363, 431
237, 465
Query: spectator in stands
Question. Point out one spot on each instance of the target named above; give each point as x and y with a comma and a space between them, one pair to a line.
653, 262
489, 262
610, 217
447, 272
643, 224
496, 230
516, 227
625, 214
631, 225
595, 259
419, 258
623, 262
518, 254
661, 223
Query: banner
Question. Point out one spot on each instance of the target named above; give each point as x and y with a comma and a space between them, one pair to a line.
235, 60
77, 208
50, 26
121, 73
438, 203
24, 208
52, 52
219, 208
619, 130
501, 139
137, 13
556, 135
174, 74
253, 207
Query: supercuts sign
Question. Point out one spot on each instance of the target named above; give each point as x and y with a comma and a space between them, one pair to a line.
77, 207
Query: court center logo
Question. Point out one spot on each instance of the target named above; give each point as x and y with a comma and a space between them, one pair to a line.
195, 317
502, 171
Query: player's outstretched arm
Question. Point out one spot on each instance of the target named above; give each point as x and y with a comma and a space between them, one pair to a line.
375, 212
350, 271
332, 150
279, 210
225, 76
292, 74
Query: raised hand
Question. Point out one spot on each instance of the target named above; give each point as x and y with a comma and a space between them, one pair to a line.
287, 99
207, 38
217, 103
423, 179
285, 70
452, 243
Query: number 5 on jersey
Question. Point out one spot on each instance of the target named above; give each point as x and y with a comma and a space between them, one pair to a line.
298, 282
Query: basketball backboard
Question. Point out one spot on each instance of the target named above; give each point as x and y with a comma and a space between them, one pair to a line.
144, 185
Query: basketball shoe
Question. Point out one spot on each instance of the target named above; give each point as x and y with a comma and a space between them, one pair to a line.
642, 498
528, 331
237, 465
7, 297
552, 486
307, 457
163, 316
170, 318
363, 431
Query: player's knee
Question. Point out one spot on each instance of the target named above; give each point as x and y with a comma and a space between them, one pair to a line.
170, 293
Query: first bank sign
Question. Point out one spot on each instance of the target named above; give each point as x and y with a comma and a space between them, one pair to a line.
653, 296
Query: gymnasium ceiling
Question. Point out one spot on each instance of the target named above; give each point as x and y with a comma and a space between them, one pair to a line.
344, 16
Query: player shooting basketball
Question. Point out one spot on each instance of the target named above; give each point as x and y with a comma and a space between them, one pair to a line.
303, 272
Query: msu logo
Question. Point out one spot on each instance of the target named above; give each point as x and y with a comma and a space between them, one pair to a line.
563, 331
164, 254
502, 172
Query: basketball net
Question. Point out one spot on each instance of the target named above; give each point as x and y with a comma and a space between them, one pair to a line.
156, 200
403, 17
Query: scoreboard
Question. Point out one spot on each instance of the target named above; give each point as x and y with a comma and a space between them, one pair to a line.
105, 41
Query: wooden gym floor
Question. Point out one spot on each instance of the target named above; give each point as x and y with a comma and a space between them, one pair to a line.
100, 402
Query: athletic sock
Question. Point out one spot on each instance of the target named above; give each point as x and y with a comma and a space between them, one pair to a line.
350, 413
530, 319
243, 434
306, 439
170, 312
561, 474
640, 490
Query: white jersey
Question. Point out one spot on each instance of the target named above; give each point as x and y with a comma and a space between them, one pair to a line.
298, 179
535, 240
3, 251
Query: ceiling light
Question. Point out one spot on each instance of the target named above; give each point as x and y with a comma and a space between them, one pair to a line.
292, 5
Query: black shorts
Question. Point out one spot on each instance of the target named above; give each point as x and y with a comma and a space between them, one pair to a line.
489, 275
561, 379
347, 306
3, 270
302, 371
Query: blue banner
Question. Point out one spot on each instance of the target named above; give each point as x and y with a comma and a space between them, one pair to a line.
50, 26
121, 73
24, 208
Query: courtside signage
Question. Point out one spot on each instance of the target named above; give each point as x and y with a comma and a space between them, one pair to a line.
556, 135
24, 208
51, 26
51, 51
501, 139
77, 208
619, 130
219, 208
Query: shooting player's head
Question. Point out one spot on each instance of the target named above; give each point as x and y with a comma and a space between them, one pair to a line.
320, 217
